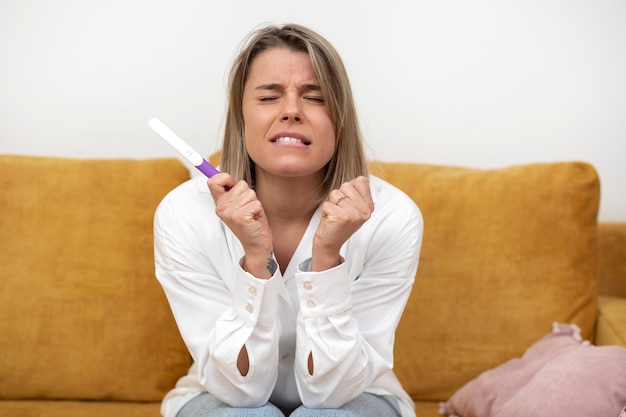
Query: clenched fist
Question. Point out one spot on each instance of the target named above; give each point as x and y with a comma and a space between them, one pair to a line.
345, 211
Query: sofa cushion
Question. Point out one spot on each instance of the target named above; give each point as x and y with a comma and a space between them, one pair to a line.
506, 252
56, 408
611, 323
81, 314
559, 375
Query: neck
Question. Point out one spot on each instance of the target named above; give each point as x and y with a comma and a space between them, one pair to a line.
288, 199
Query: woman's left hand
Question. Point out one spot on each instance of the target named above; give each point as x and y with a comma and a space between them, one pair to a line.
345, 211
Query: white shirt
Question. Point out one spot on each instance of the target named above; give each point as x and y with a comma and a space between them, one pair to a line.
345, 317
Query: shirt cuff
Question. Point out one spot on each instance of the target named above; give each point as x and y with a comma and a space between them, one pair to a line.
324, 293
255, 299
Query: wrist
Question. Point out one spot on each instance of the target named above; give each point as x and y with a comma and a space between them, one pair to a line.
323, 260
260, 266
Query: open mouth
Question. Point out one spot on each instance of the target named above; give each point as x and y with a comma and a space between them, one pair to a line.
290, 140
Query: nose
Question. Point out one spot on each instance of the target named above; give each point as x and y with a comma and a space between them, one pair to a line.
291, 110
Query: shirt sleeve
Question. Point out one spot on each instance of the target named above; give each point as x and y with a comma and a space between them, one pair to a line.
216, 318
348, 323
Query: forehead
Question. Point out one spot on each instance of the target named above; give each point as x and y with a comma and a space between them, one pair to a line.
280, 65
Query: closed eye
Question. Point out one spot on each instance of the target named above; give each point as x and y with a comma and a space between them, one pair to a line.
315, 99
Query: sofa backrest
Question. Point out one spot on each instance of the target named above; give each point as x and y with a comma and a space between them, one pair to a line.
506, 252
81, 314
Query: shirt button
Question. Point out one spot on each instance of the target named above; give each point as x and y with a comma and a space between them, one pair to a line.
310, 303
250, 308
308, 285
252, 291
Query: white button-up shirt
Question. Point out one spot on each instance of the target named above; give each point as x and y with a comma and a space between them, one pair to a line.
344, 317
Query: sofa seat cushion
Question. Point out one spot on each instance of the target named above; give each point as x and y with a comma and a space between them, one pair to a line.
427, 409
81, 314
53, 408
506, 253
611, 324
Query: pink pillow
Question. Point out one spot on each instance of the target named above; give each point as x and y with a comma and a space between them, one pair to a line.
560, 375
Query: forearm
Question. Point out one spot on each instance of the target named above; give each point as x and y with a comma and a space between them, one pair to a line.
246, 356
334, 363
221, 373
218, 307
216, 339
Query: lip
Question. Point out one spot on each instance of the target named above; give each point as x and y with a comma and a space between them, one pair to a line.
295, 135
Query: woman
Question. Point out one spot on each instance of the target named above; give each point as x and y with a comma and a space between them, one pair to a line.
286, 284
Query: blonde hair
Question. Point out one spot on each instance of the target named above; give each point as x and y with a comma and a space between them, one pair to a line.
348, 160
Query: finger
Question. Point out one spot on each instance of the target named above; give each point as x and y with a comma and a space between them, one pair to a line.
243, 196
350, 192
219, 184
362, 185
358, 196
335, 197
232, 204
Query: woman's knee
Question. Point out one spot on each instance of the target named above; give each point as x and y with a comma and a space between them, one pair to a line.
365, 405
206, 405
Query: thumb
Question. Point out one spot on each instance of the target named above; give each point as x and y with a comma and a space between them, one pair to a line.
219, 184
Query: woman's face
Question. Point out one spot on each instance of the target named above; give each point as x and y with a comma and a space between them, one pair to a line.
288, 129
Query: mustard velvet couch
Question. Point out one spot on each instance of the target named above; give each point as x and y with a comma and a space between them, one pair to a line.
85, 329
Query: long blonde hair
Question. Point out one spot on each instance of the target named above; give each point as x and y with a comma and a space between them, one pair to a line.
348, 160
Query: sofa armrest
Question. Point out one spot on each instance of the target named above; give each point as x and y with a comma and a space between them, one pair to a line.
611, 324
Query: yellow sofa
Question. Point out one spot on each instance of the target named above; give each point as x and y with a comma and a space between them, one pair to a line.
85, 329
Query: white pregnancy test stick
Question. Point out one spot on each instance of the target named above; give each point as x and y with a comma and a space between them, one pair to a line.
181, 146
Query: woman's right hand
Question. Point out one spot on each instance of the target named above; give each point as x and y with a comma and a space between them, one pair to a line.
243, 213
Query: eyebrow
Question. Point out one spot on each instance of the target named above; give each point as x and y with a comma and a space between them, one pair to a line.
276, 86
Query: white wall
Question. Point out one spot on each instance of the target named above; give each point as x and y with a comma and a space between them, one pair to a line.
475, 83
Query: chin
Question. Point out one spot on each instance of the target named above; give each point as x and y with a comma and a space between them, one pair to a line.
297, 171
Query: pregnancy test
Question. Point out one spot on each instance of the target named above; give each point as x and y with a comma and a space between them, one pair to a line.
182, 148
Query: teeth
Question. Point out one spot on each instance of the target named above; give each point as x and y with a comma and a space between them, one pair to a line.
288, 140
